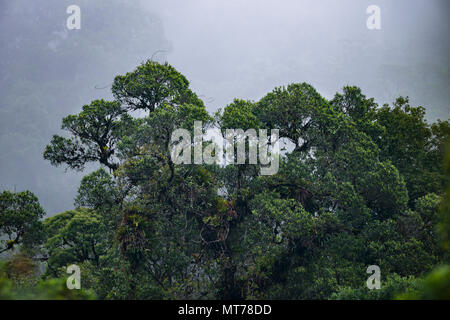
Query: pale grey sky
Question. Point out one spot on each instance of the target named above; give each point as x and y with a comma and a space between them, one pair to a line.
244, 48
227, 49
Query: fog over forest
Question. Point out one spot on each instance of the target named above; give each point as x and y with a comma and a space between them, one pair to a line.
227, 49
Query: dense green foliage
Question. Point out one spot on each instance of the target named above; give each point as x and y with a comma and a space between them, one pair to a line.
20, 220
364, 185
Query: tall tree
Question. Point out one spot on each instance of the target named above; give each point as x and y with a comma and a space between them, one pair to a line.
151, 85
95, 132
20, 215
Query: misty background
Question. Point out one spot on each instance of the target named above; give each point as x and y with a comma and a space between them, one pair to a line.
227, 49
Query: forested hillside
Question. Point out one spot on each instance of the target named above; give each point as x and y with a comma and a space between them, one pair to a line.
364, 184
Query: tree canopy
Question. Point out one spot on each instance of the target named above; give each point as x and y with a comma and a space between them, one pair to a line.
362, 185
